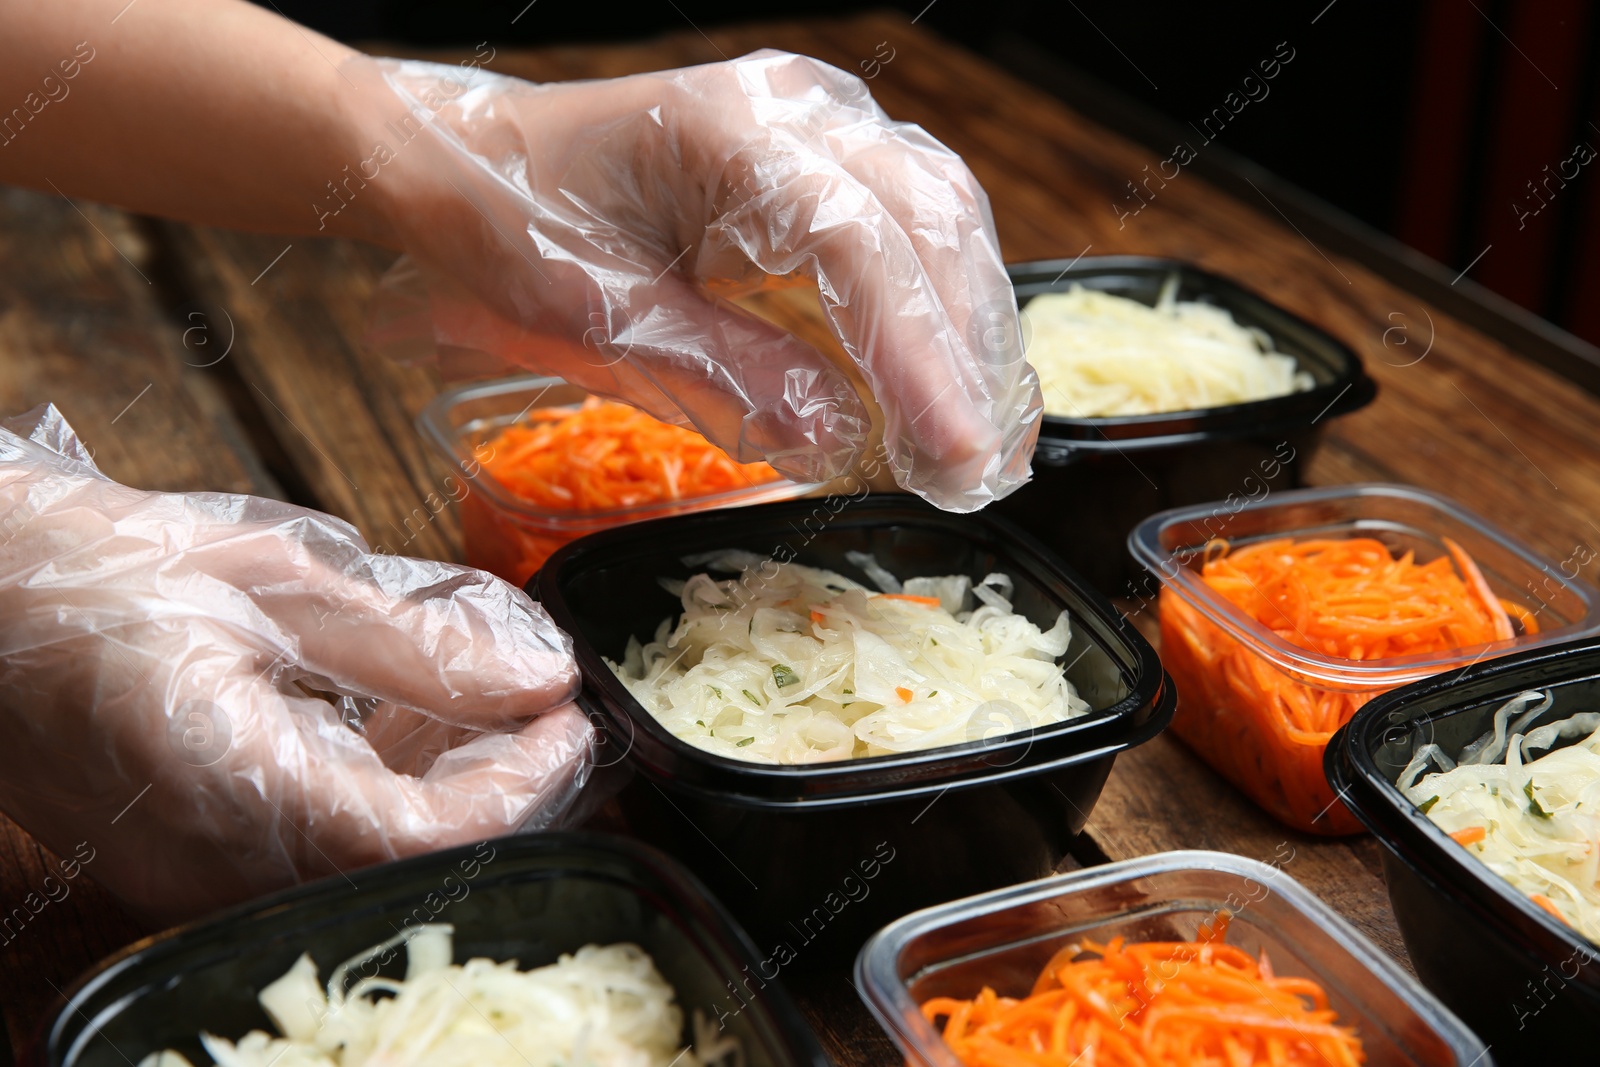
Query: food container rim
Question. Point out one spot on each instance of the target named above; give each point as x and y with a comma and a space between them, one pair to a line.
435, 428
712, 928
873, 778
885, 993
1350, 390
1419, 843
995, 774
1144, 542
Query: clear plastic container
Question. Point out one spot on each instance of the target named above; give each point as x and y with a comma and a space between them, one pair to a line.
1003, 940
507, 536
1253, 745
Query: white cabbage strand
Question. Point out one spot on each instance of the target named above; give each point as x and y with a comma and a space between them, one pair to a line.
1098, 355
1540, 813
601, 1006
807, 665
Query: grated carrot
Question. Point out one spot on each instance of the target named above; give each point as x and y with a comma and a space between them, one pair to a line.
1546, 903
925, 601
904, 694
605, 455
1353, 599
579, 463
1151, 1004
1344, 598
1470, 836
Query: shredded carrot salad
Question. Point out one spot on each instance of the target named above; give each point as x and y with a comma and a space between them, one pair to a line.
1151, 1004
606, 455
580, 462
1351, 599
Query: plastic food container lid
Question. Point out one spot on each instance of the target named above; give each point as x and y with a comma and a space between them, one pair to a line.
528, 897
604, 588
1004, 938
1341, 382
1171, 543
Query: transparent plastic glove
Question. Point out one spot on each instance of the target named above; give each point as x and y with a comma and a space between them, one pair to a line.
161, 660
594, 230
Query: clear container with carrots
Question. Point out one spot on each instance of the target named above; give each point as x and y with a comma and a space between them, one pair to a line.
1131, 1003
539, 462
1173, 958
1281, 617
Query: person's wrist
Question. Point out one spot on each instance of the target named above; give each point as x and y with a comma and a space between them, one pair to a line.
360, 196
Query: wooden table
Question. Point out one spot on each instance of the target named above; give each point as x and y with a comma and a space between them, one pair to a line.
122, 323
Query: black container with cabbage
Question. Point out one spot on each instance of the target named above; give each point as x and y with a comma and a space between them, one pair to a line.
1528, 981
1095, 477
529, 898
813, 857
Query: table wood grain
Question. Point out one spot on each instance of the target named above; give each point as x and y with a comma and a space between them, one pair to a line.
97, 312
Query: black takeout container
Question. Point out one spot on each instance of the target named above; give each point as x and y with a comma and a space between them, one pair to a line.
1094, 479
1529, 983
813, 858
529, 898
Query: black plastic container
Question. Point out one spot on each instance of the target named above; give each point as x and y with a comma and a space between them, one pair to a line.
1095, 479
528, 898
813, 858
1529, 984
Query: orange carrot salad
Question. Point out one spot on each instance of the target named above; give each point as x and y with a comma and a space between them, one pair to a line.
1151, 1004
585, 461
1350, 599
606, 455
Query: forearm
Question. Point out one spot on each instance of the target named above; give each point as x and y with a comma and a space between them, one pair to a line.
210, 111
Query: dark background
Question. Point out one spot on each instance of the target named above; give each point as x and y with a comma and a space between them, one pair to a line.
1426, 119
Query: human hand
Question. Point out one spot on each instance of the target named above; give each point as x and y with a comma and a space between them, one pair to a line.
596, 230
224, 695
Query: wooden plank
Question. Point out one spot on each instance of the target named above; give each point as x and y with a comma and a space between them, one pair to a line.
342, 415
81, 325
1161, 797
848, 1032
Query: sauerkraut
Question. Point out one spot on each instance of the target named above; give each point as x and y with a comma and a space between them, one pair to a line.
603, 1005
1098, 355
1532, 819
793, 664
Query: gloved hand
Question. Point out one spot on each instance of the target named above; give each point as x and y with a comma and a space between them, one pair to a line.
220, 694
594, 230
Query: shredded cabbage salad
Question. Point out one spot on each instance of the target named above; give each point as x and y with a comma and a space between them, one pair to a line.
806, 665
1098, 354
605, 1006
1534, 820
